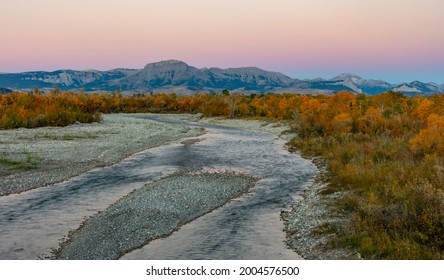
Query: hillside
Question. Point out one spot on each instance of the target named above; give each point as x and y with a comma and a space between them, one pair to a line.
177, 76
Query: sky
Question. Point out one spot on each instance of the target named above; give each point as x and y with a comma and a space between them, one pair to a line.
393, 40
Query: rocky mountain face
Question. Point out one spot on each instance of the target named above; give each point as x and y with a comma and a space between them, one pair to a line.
63, 79
359, 85
177, 76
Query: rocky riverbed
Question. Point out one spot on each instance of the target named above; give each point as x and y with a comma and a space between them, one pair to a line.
33, 158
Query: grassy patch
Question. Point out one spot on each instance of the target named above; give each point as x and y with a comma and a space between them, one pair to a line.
325, 229
79, 136
27, 163
66, 136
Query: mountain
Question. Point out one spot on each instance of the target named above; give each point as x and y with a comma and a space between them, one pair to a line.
417, 87
64, 79
177, 76
5, 90
359, 85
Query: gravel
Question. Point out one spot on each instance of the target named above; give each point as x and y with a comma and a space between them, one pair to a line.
280, 129
153, 211
313, 222
32, 158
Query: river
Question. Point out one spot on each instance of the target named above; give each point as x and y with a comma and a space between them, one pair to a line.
34, 222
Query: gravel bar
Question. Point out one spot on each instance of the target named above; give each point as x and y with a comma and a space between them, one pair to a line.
313, 222
33, 158
153, 211
280, 129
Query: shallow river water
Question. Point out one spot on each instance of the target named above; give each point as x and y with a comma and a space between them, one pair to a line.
33, 223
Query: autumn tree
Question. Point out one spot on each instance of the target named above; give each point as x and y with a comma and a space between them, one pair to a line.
430, 139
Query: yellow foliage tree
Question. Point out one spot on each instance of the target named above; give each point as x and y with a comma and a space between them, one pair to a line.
424, 109
372, 121
430, 140
342, 123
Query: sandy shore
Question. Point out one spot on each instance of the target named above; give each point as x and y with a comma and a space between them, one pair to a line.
32, 158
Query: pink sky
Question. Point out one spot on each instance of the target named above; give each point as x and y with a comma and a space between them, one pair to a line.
393, 40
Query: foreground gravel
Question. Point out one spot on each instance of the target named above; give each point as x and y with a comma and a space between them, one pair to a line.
151, 212
48, 155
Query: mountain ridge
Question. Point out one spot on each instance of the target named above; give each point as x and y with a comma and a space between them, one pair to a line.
178, 76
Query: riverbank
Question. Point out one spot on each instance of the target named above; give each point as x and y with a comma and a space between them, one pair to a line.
33, 158
313, 222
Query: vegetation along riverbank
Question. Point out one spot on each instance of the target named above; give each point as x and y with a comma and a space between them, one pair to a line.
382, 156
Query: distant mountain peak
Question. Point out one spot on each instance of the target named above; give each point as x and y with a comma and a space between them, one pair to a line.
167, 63
249, 68
5, 90
347, 76
177, 76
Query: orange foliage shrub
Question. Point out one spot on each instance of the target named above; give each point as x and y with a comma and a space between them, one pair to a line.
372, 121
19, 109
430, 139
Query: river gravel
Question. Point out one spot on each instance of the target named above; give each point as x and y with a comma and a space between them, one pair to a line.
312, 223
153, 211
54, 154
280, 129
